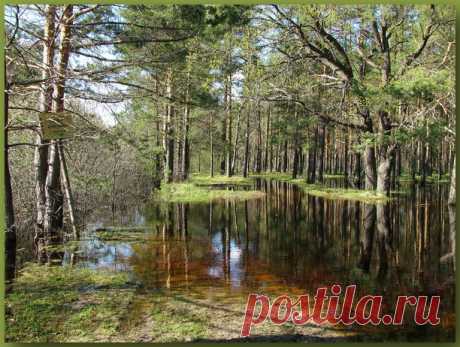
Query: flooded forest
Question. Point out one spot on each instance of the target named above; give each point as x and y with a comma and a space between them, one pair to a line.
163, 162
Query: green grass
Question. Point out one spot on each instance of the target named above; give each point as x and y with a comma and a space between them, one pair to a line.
178, 321
217, 180
56, 303
326, 192
191, 193
348, 194
436, 178
279, 176
333, 176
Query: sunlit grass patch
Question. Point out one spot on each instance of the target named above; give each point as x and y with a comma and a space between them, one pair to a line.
328, 192
435, 178
57, 303
176, 321
334, 176
189, 192
348, 194
199, 179
280, 176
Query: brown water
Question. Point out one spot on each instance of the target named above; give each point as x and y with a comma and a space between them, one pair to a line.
289, 242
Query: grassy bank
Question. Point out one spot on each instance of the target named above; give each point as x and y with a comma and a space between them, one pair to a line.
327, 192
69, 304
436, 178
191, 193
220, 180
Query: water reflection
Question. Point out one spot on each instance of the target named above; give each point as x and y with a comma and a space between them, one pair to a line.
290, 241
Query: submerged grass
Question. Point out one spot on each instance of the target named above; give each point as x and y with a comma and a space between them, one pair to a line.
189, 192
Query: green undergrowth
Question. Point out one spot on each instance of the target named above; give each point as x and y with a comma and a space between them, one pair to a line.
70, 304
218, 180
348, 194
436, 178
57, 303
328, 192
191, 193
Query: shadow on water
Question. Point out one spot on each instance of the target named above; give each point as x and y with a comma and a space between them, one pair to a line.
289, 241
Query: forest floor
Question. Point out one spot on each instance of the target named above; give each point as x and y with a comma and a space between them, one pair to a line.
71, 304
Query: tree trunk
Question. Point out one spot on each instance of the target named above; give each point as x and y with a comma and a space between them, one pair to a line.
229, 125
386, 156
285, 156
322, 144
211, 145
235, 144
311, 177
258, 158
42, 149
54, 198
267, 141
185, 145
168, 140
452, 190
246, 147
10, 235
370, 181
67, 191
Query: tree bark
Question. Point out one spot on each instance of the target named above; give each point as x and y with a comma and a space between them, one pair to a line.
10, 235
452, 190
211, 145
68, 191
246, 147
285, 156
312, 159
235, 144
229, 125
168, 140
54, 198
42, 149
185, 157
322, 143
370, 181
258, 161
267, 141
386, 156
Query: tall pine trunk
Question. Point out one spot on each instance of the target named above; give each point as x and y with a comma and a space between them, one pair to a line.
53, 192
168, 139
185, 157
42, 149
246, 146
229, 125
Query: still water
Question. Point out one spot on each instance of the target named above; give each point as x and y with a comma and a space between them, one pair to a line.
286, 242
